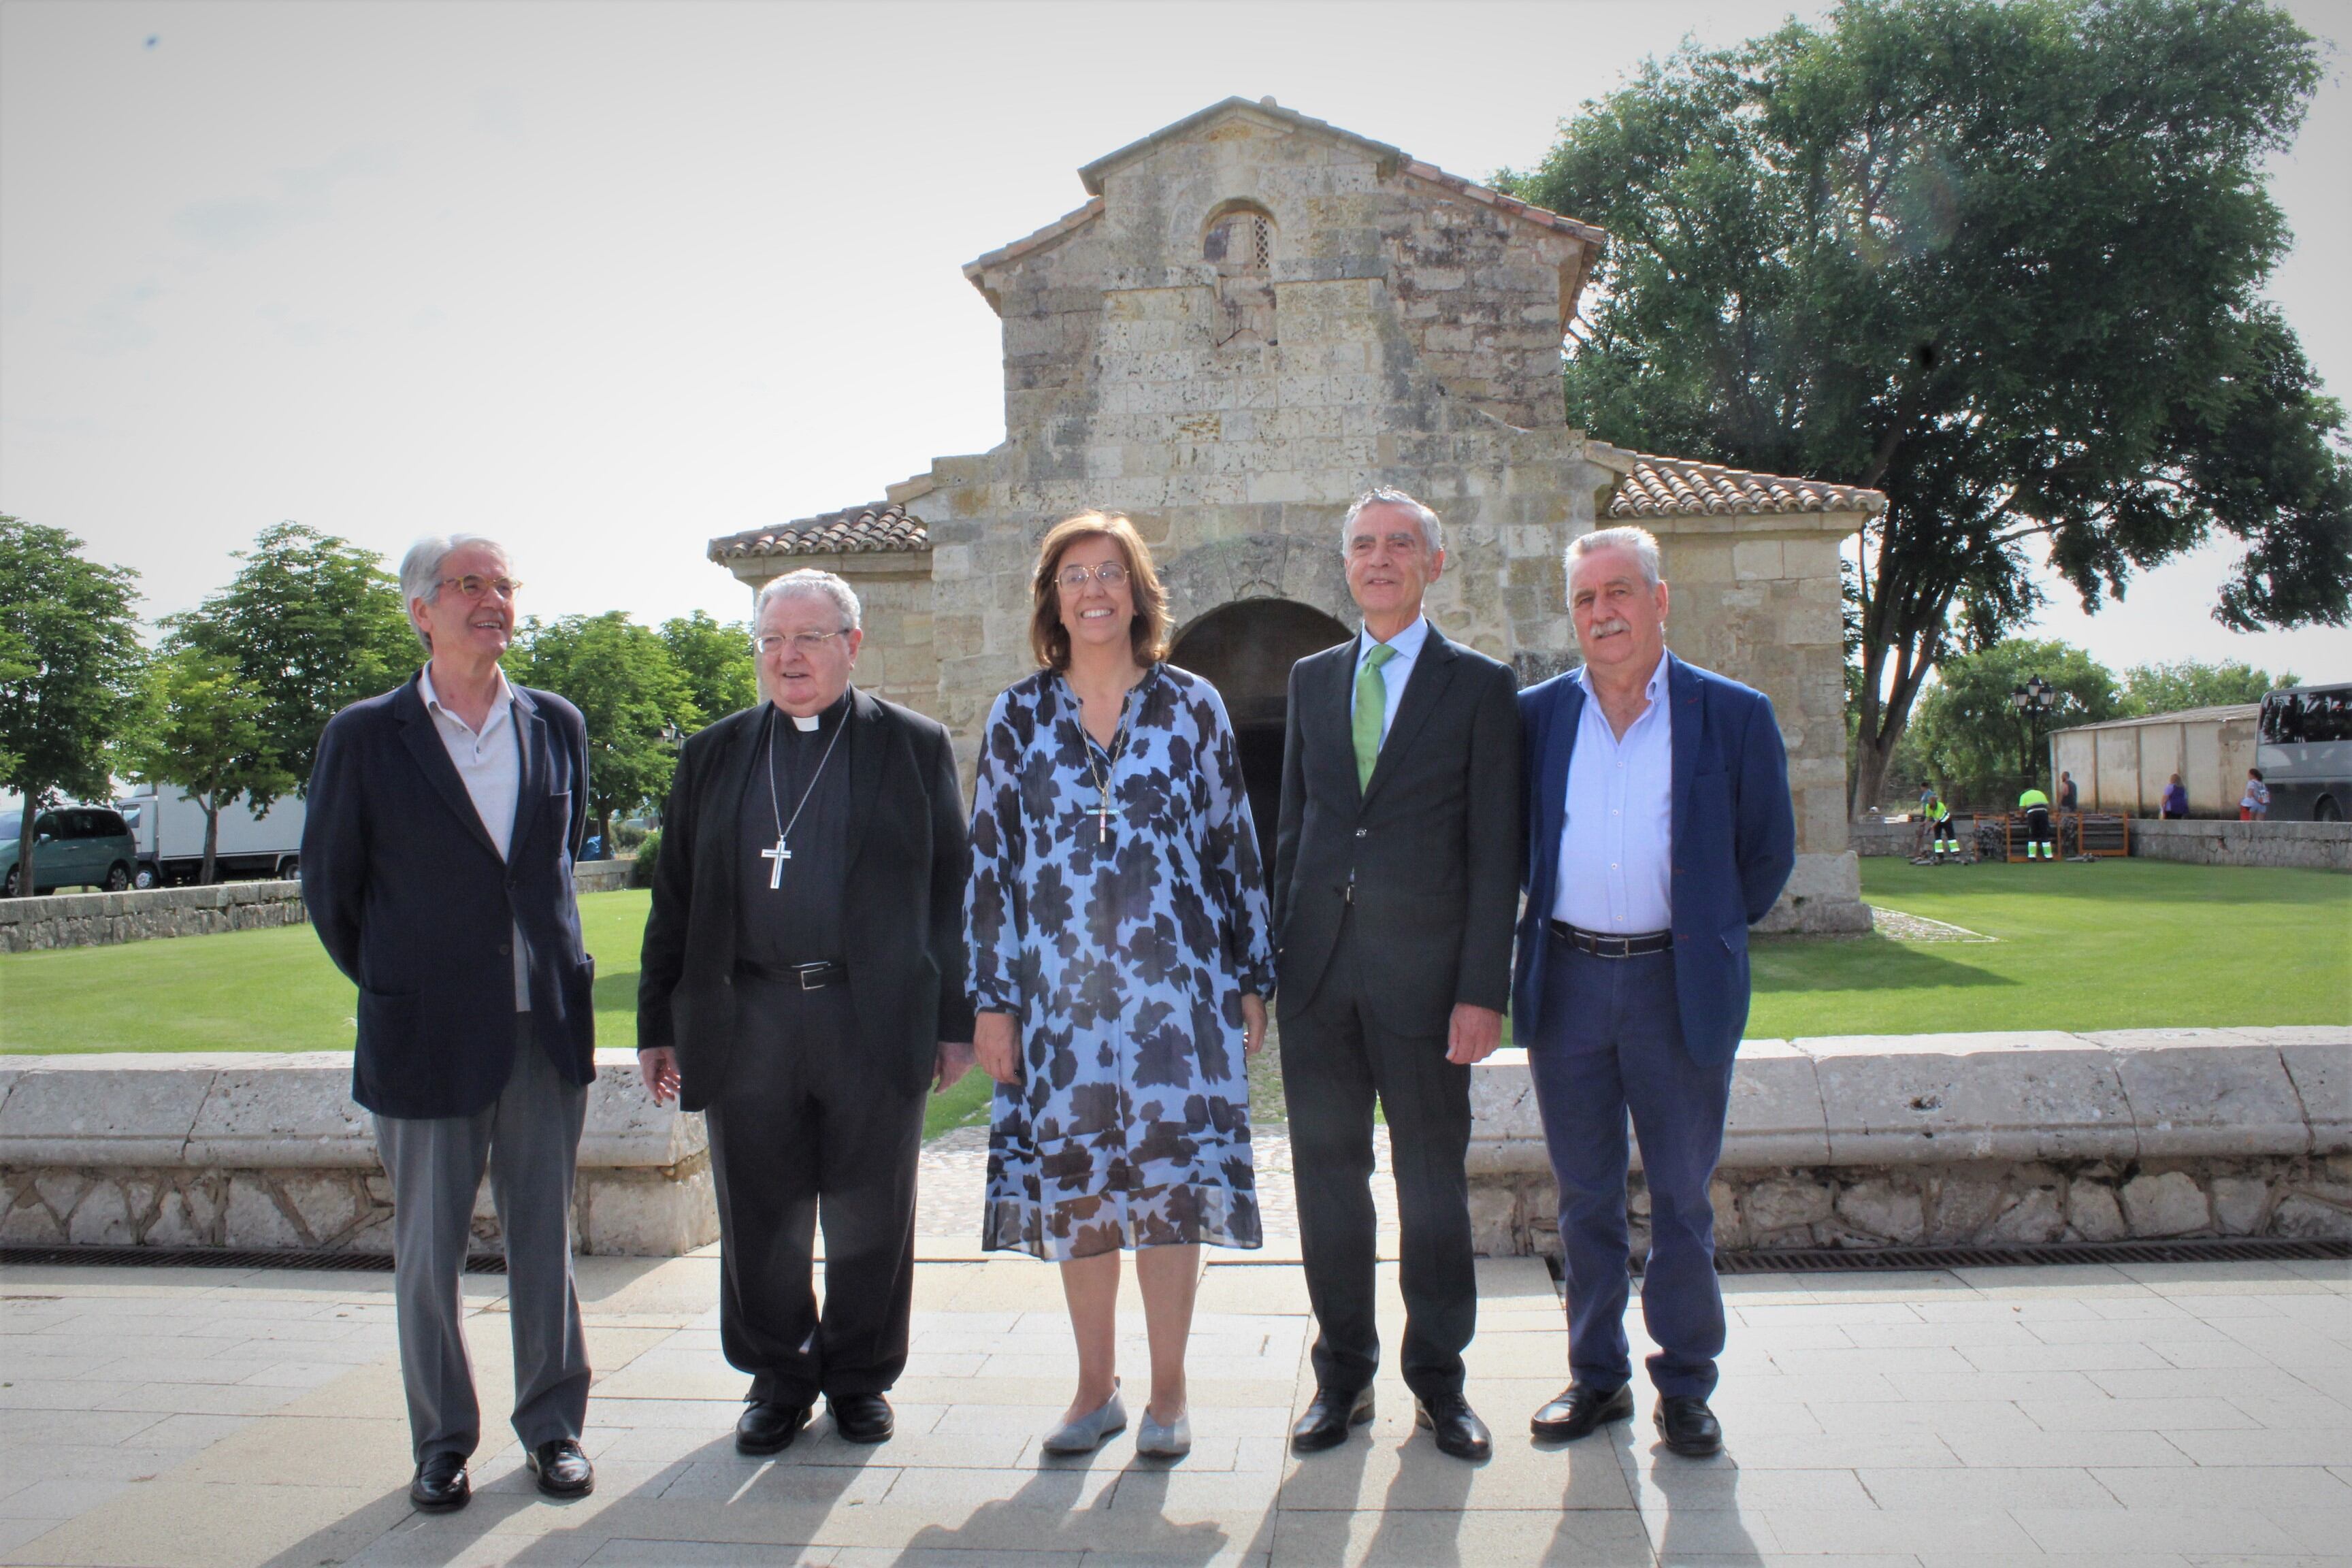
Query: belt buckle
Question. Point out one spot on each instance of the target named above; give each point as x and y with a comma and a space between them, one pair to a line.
1625, 946
804, 972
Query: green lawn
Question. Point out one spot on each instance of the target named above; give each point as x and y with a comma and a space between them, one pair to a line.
2116, 944
2119, 945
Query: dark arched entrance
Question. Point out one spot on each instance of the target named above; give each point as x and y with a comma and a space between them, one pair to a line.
1245, 650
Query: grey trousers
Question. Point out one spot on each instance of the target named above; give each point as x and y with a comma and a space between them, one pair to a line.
530, 1138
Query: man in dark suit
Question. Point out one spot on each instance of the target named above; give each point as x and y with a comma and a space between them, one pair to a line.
436, 863
803, 983
1396, 872
1659, 828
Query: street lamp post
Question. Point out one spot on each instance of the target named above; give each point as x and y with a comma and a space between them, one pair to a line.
2033, 700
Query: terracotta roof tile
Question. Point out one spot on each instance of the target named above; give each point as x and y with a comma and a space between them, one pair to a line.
877, 528
1677, 487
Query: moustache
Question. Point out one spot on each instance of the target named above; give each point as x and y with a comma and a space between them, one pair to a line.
1614, 624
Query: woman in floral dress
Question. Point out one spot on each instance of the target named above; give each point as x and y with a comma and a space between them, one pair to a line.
1120, 963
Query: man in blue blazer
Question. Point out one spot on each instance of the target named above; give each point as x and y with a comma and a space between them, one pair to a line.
437, 861
1659, 828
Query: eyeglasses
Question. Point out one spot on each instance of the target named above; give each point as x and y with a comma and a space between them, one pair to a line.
799, 642
474, 586
1111, 574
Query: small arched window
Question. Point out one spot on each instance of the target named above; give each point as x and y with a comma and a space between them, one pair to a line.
1240, 241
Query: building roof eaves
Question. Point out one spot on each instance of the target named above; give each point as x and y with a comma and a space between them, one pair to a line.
1052, 232
2223, 713
1264, 107
1679, 487
877, 528
1590, 234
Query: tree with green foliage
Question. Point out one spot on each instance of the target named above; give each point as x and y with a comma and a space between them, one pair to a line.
1976, 742
199, 729
2183, 684
629, 687
310, 624
2002, 262
69, 663
716, 662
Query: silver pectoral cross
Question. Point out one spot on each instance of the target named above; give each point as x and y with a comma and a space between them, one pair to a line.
776, 859
1102, 823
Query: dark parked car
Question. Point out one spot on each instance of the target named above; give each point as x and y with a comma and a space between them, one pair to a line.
73, 847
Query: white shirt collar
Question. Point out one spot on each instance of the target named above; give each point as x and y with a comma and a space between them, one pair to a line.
498, 706
1406, 643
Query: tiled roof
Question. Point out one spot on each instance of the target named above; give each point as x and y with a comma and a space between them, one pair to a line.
1676, 487
877, 528
1590, 233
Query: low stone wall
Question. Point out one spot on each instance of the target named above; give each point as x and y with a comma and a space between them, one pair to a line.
603, 875
1993, 1139
2308, 846
93, 919
262, 1151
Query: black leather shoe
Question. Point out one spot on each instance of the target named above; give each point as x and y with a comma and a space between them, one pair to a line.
440, 1486
561, 1469
1329, 1416
1688, 1426
1580, 1412
861, 1417
768, 1428
1454, 1425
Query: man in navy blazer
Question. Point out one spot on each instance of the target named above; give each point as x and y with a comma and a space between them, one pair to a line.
1659, 828
444, 816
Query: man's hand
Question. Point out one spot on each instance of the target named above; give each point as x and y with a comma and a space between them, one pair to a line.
1472, 1034
657, 1067
1252, 1024
996, 1045
948, 1067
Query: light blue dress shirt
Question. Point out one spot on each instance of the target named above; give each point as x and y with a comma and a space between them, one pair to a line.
1616, 843
1406, 646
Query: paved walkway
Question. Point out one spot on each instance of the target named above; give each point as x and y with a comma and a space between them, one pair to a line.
2111, 1415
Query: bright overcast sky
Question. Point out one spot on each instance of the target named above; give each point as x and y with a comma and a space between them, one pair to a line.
608, 280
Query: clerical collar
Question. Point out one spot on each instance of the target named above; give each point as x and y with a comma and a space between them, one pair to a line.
812, 722
805, 722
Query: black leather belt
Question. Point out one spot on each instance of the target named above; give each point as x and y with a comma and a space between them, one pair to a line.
807, 976
1601, 944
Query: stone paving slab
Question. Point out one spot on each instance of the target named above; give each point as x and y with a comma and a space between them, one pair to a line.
2150, 1414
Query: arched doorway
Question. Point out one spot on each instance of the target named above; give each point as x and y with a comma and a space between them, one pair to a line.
1245, 650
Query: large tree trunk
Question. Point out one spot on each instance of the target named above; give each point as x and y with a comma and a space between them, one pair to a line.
212, 836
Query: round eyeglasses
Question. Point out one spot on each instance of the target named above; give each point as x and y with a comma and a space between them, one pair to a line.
1111, 574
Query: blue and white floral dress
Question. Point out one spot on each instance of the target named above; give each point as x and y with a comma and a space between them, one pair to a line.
1123, 946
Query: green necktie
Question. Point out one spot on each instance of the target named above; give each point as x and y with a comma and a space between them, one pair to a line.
1371, 708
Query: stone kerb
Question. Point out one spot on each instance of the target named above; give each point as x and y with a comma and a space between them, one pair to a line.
251, 1150
1987, 1139
90, 920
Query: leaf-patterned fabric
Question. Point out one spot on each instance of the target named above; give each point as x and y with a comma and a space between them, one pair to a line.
1123, 956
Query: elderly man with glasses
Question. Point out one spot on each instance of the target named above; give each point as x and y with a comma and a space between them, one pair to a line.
803, 983
436, 863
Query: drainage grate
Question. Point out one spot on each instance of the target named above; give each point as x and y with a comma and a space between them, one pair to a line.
221, 1257
1883, 1259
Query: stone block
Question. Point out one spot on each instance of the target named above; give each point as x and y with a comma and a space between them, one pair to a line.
648, 1214
2321, 1071
187, 1216
2092, 1213
254, 1219
1784, 1204
293, 1112
1941, 1099
1966, 1203
2203, 1091
2172, 1204
102, 1218
1776, 1108
2035, 1218
328, 1203
1883, 1209
1506, 1128
28, 1222
625, 1128
2306, 1219
1495, 1228
116, 1109
2238, 1202
1730, 1231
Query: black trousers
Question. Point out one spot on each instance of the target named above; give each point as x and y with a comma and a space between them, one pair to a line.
804, 1133
1337, 1056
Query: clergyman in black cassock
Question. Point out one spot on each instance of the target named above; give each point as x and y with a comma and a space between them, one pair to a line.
802, 985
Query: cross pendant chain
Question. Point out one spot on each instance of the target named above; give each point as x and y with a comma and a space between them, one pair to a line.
776, 859
1102, 820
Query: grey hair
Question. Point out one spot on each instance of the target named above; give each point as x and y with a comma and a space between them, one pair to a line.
1640, 540
1433, 532
809, 582
420, 572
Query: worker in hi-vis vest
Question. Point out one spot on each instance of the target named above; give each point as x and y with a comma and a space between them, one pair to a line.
1942, 837
2038, 839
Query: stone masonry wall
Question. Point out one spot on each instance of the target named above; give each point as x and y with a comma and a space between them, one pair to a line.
89, 919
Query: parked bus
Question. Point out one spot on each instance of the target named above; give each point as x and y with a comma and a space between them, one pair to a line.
2304, 751
170, 837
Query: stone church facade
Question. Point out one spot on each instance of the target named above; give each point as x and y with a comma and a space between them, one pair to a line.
1255, 317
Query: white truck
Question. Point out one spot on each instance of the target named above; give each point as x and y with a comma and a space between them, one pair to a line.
169, 829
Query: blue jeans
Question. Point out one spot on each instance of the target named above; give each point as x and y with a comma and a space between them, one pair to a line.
1609, 1040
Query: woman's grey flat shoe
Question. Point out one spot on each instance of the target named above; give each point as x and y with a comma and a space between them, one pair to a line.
1085, 1435
1173, 1441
